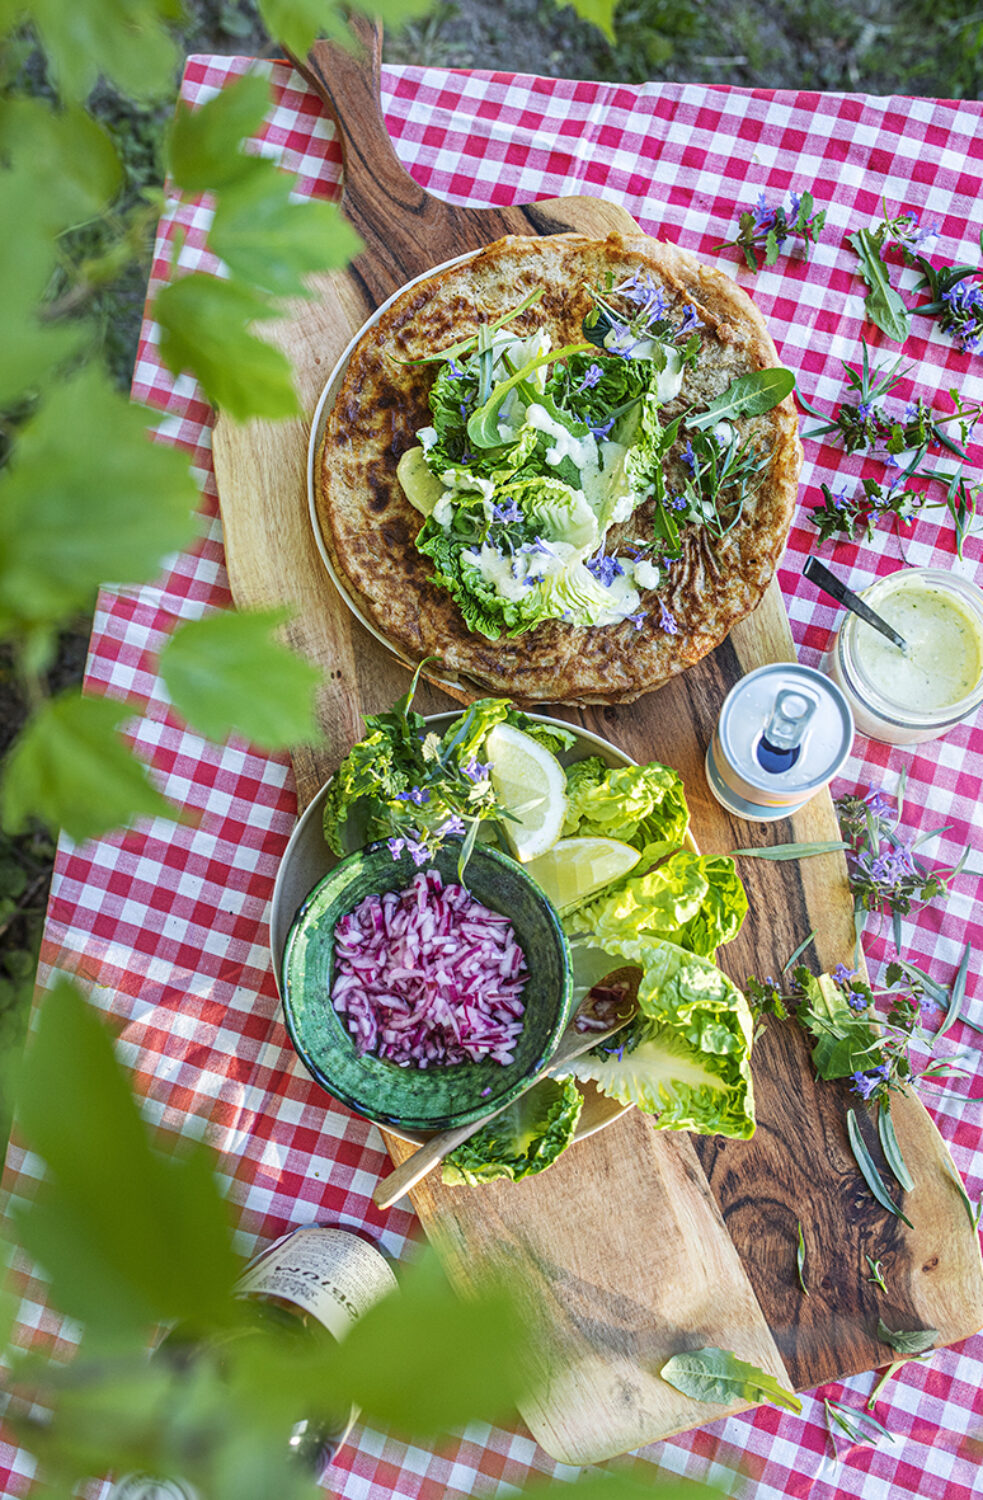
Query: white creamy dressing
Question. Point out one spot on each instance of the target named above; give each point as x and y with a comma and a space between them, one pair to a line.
573, 532
944, 659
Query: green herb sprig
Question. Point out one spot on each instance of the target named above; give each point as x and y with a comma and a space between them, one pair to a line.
768, 229
864, 426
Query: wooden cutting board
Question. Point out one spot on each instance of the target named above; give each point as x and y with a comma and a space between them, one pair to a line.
637, 1244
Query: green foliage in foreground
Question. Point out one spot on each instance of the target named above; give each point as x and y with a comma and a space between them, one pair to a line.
131, 1235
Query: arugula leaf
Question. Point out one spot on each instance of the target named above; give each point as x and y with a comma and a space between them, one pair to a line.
226, 675
87, 498
907, 1341
718, 1376
71, 769
884, 305
522, 1140
204, 326
747, 396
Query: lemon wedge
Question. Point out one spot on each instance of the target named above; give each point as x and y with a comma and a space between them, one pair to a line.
529, 782
575, 869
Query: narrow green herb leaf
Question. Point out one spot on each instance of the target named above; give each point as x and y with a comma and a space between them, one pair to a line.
718, 1376
907, 1340
868, 1170
877, 1275
891, 1149
888, 1373
800, 1260
936, 990
883, 304
793, 851
464, 345
958, 992
483, 423
799, 951
747, 396
849, 1416
974, 1213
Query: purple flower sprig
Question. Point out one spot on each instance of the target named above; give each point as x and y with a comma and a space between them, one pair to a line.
768, 228
886, 875
955, 301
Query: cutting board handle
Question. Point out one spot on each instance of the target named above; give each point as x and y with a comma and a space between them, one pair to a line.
406, 230
348, 81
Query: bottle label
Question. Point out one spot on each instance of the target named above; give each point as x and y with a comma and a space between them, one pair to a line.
330, 1273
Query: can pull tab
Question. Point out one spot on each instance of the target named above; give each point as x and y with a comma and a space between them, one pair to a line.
779, 746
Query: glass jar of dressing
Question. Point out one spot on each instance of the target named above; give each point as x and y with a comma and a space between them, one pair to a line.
900, 697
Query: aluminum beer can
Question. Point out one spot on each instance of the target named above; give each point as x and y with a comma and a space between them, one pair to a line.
783, 733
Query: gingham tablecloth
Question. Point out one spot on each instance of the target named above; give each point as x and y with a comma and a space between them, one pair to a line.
168, 926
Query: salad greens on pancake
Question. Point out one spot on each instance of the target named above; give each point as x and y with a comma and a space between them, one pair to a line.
535, 454
684, 1057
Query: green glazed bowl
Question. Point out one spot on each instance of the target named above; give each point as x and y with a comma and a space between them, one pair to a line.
422, 1099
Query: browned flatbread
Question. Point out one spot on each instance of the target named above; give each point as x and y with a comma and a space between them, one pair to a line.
369, 526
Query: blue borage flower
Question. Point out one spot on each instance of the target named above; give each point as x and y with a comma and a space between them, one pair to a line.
605, 568
871, 1081
963, 315
507, 515
667, 621
475, 771
592, 375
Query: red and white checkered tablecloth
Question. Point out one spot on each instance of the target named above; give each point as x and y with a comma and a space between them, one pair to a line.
168, 926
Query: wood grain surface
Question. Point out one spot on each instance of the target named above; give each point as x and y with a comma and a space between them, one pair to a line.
636, 1244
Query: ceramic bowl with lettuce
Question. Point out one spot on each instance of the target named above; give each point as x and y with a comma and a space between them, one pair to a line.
685, 1057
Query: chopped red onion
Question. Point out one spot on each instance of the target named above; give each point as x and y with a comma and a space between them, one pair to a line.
428, 976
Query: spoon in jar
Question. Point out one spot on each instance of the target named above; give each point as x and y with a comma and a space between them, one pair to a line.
828, 583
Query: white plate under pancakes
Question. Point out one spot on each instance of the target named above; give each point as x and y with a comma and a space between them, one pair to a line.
307, 859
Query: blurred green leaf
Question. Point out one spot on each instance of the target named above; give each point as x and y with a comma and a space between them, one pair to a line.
123, 39
204, 146
268, 240
425, 1361
296, 24
28, 350
204, 328
127, 1235
71, 768
622, 1486
225, 674
73, 165
87, 499
599, 13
